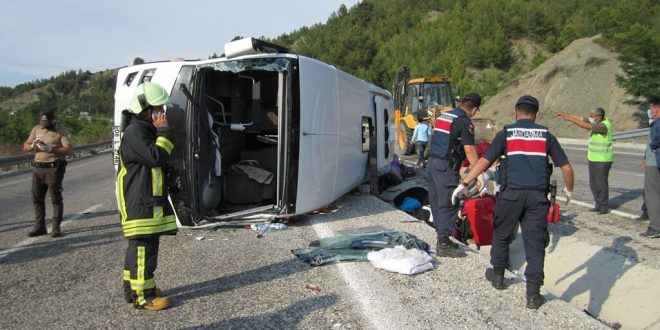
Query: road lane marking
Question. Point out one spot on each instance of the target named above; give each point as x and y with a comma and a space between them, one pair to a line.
20, 245
378, 311
589, 205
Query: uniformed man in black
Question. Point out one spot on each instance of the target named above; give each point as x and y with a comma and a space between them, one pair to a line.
523, 196
452, 141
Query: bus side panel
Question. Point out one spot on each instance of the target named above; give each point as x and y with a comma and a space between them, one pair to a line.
317, 168
355, 102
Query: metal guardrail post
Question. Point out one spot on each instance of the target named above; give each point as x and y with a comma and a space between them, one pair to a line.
13, 163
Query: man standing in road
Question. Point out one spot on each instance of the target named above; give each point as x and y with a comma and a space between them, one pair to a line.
50, 143
145, 212
523, 193
652, 172
600, 154
451, 142
421, 138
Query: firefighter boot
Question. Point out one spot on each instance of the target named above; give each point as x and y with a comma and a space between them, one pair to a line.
55, 229
446, 248
534, 298
128, 293
495, 276
39, 222
156, 304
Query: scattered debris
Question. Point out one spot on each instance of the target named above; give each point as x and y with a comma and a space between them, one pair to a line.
313, 287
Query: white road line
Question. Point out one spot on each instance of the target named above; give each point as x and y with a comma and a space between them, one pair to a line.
19, 246
589, 205
373, 306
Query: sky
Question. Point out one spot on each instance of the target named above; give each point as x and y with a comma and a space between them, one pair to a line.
43, 38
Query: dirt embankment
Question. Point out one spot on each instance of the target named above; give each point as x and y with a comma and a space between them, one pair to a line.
579, 78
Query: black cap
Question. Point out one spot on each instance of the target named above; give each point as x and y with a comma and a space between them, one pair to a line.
528, 99
655, 99
474, 98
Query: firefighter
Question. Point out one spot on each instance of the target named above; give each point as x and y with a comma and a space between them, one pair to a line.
145, 212
50, 143
523, 196
451, 142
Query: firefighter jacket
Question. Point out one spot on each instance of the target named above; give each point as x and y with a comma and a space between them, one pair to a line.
141, 189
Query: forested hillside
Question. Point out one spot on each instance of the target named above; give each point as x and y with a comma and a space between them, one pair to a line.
69, 94
483, 45
472, 41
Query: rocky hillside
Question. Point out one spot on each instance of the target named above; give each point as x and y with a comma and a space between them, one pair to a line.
576, 80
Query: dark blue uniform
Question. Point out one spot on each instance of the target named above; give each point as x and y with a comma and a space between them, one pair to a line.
452, 130
523, 197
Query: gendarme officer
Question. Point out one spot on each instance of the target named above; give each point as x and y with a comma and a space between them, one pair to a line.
523, 196
452, 141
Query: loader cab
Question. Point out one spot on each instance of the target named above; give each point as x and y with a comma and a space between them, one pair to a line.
429, 96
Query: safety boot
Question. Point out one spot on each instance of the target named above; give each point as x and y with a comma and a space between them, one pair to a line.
55, 229
129, 298
38, 229
446, 248
495, 276
534, 298
156, 304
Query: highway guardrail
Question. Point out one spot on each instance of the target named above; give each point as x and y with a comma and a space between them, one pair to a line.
13, 163
631, 134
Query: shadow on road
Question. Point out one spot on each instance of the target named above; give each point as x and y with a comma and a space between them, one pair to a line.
226, 283
623, 196
601, 273
287, 318
47, 247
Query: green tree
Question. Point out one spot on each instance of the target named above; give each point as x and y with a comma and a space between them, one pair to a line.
640, 58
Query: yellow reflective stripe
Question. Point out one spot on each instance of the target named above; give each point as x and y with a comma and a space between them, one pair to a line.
158, 212
121, 202
600, 144
148, 222
137, 285
140, 264
157, 181
146, 230
164, 143
127, 275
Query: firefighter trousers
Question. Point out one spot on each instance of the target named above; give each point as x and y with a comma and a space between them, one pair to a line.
139, 267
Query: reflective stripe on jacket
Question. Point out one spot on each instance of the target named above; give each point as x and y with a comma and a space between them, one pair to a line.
600, 145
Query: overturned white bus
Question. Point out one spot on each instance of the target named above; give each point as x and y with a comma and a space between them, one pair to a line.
262, 131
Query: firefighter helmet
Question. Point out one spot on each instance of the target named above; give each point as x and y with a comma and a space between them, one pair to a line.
147, 95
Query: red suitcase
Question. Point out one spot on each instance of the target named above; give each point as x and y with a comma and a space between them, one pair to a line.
480, 212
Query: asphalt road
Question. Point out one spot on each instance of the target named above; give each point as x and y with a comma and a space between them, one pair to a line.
231, 279
626, 176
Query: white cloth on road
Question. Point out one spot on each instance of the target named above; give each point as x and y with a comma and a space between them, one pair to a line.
400, 260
